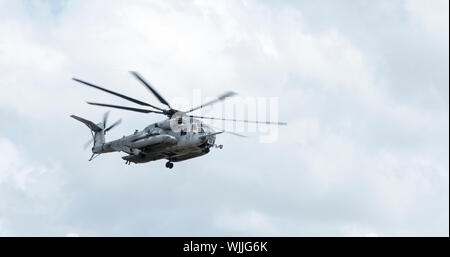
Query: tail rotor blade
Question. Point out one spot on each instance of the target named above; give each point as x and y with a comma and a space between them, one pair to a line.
113, 125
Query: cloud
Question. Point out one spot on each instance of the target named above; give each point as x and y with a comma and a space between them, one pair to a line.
433, 16
247, 222
72, 235
30, 193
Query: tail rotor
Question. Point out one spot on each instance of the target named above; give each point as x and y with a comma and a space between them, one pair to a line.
105, 119
98, 130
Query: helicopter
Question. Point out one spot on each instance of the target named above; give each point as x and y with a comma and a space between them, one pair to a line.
179, 137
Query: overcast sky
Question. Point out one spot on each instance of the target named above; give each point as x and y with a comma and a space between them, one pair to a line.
363, 85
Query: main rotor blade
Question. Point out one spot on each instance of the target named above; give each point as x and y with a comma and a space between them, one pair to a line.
117, 94
218, 99
113, 125
233, 133
246, 121
148, 85
88, 143
126, 108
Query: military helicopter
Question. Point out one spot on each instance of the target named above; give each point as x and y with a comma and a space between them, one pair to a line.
180, 137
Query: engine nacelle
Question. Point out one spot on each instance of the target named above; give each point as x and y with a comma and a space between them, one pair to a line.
165, 125
158, 139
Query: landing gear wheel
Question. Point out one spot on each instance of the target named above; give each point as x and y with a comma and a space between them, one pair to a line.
169, 165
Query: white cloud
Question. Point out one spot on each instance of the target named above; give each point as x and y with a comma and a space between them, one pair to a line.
303, 130
12, 169
31, 192
249, 222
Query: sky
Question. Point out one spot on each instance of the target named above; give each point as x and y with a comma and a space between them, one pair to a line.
363, 86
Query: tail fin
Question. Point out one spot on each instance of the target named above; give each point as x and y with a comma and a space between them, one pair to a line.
98, 131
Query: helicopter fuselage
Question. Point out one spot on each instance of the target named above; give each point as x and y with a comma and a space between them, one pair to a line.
172, 139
